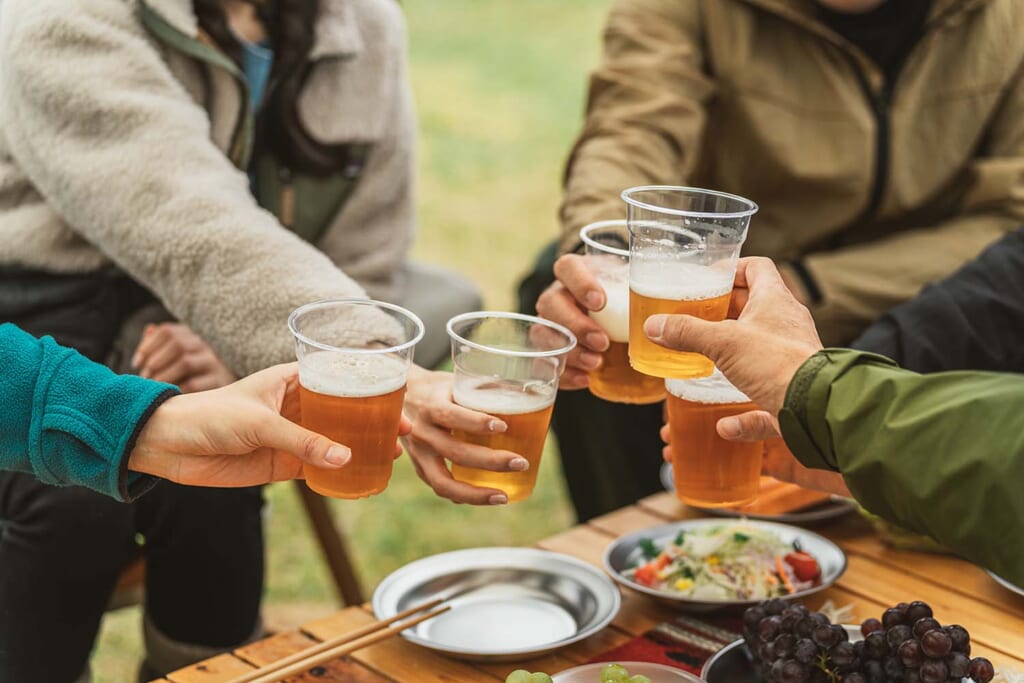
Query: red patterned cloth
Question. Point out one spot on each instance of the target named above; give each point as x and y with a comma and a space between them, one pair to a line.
684, 643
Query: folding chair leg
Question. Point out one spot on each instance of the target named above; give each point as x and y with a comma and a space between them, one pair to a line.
332, 543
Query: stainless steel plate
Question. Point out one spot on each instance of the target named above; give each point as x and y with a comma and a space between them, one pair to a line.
734, 663
837, 506
625, 553
507, 603
658, 673
1007, 585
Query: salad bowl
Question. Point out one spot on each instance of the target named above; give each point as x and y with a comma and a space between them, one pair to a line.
735, 561
507, 604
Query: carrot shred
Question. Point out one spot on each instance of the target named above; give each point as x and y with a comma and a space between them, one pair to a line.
782, 575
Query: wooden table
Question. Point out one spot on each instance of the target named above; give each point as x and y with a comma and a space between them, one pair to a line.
877, 577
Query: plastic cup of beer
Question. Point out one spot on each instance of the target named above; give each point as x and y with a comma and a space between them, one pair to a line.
683, 247
508, 365
709, 471
607, 257
354, 357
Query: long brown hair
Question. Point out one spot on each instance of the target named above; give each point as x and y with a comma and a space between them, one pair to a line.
291, 25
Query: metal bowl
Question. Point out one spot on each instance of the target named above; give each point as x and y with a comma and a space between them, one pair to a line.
625, 553
735, 664
1006, 584
507, 603
658, 673
836, 506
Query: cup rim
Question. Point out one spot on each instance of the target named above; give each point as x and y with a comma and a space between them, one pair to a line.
511, 316
629, 199
590, 241
420, 328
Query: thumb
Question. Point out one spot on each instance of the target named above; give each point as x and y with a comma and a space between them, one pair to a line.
756, 425
317, 450
683, 333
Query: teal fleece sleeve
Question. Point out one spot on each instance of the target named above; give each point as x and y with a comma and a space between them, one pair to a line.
70, 421
940, 454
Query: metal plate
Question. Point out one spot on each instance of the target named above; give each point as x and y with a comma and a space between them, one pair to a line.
836, 507
507, 603
735, 664
658, 673
1007, 585
623, 553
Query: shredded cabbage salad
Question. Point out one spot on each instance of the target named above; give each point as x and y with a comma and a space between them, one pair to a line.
728, 562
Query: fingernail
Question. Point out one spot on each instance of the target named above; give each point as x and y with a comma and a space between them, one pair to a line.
596, 341
519, 464
497, 426
498, 499
590, 360
135, 362
337, 455
655, 326
729, 428
594, 300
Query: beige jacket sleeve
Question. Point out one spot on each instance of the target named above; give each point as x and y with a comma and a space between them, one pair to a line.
645, 112
861, 282
122, 153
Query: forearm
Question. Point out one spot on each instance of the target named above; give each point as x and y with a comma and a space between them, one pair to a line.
939, 454
69, 421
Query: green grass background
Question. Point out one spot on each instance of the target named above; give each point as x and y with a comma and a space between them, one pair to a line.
499, 87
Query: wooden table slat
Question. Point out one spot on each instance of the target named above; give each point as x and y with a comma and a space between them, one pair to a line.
217, 669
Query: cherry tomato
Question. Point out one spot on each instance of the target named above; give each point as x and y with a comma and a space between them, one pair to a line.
804, 565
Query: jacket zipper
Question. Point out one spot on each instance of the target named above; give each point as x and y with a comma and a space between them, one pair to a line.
881, 103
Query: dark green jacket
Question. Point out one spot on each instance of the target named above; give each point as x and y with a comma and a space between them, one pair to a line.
940, 454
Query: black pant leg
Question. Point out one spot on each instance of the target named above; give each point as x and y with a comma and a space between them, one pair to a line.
611, 452
61, 550
204, 562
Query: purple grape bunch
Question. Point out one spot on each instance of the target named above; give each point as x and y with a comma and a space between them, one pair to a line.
791, 644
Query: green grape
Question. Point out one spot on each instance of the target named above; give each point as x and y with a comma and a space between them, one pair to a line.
538, 678
638, 678
518, 676
614, 673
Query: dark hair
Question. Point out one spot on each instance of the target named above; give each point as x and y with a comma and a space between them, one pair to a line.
291, 25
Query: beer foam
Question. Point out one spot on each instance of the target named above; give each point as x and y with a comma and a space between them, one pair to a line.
614, 317
713, 389
502, 397
679, 281
349, 375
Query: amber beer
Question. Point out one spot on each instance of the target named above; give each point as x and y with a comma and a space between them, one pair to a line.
526, 409
355, 401
616, 380
673, 288
709, 471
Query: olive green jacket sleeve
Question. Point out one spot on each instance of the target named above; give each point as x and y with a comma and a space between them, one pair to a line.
940, 454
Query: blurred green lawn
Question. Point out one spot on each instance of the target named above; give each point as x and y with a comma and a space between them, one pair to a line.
499, 86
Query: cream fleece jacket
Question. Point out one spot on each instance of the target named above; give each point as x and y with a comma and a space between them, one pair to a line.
113, 152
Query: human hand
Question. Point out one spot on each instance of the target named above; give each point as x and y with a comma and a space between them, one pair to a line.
243, 434
761, 350
567, 302
429, 404
777, 460
173, 353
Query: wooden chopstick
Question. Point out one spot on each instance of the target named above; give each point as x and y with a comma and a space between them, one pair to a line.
339, 646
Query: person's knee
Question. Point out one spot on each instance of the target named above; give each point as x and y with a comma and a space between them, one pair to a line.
174, 509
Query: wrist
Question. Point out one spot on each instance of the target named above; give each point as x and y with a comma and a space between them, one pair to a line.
155, 442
